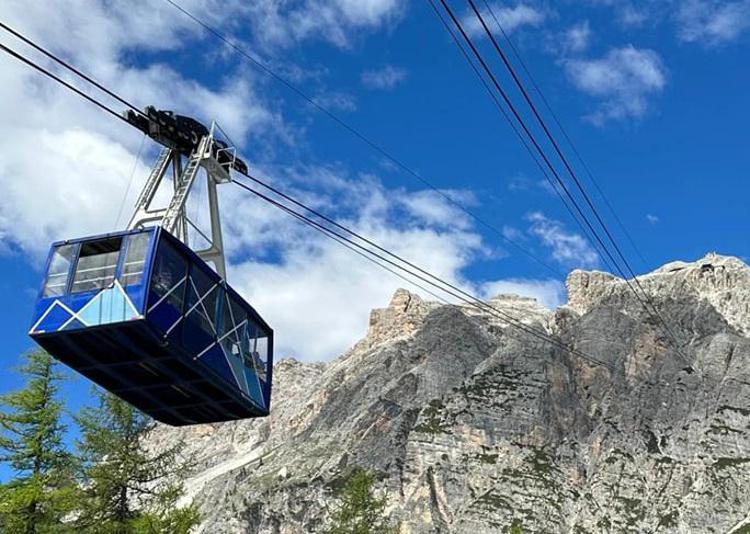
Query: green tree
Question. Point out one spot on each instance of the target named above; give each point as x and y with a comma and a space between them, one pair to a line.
516, 527
31, 442
360, 510
130, 488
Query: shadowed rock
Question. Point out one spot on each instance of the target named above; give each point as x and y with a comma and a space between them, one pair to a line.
472, 424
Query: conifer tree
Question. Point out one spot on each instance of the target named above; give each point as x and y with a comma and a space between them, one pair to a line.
360, 510
42, 491
129, 488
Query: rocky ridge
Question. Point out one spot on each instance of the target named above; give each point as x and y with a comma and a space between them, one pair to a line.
473, 426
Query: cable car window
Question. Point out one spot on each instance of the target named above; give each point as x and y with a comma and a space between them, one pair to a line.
169, 275
97, 263
232, 327
135, 259
256, 350
202, 300
261, 354
57, 275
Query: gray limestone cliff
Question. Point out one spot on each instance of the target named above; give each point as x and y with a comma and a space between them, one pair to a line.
473, 425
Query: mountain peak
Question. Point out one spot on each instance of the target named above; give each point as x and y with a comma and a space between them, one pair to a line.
722, 281
473, 425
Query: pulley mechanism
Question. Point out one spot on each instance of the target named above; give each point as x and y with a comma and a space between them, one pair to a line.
188, 146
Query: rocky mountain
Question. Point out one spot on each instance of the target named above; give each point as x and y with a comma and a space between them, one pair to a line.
473, 426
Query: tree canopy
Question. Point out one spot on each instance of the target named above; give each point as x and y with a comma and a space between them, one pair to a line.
360, 510
112, 482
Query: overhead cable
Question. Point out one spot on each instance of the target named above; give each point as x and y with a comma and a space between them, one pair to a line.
358, 134
68, 66
564, 131
426, 276
649, 301
553, 185
648, 304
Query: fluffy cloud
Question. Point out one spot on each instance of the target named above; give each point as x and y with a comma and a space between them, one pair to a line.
569, 249
708, 22
339, 22
712, 22
386, 77
632, 13
623, 80
67, 166
577, 37
510, 18
315, 293
336, 100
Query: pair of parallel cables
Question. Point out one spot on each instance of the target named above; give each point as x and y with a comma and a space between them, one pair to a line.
343, 235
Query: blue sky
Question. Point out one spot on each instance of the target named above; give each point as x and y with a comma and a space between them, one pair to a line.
654, 93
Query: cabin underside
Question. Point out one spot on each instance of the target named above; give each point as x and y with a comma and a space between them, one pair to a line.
132, 361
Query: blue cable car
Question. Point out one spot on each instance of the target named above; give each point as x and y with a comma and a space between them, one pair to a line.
142, 315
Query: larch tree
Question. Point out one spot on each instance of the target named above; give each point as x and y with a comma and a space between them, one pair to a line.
42, 492
130, 487
360, 510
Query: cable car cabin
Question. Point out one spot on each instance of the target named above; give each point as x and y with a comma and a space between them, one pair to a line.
140, 314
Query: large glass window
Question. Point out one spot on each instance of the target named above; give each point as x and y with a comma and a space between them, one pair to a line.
169, 275
232, 326
202, 301
57, 275
135, 259
256, 351
97, 263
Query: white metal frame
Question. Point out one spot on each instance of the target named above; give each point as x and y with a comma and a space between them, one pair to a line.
174, 217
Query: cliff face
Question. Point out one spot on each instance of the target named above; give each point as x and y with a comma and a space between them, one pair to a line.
472, 424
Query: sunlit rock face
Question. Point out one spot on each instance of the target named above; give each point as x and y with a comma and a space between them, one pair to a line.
473, 425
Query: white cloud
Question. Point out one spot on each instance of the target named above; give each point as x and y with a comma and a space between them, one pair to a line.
336, 100
569, 249
386, 77
708, 22
97, 33
66, 167
316, 294
432, 208
653, 219
712, 22
339, 22
577, 37
510, 18
513, 234
623, 80
631, 15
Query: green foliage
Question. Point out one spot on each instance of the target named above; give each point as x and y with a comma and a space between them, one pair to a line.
129, 488
31, 443
516, 527
360, 510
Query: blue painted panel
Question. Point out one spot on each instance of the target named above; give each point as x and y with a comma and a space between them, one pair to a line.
194, 338
54, 318
164, 315
107, 306
255, 391
136, 293
216, 361
75, 324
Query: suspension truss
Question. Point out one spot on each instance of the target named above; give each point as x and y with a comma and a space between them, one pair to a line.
216, 158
